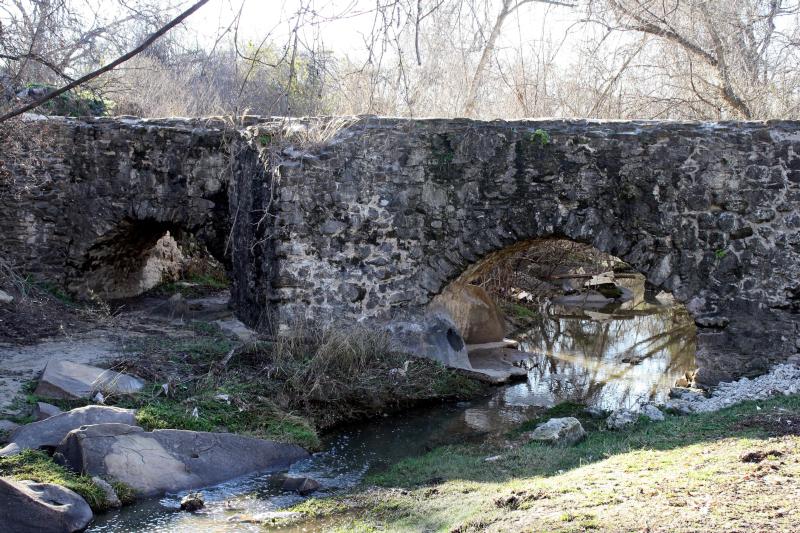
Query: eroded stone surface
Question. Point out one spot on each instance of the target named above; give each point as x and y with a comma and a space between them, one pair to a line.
476, 315
170, 460
28, 507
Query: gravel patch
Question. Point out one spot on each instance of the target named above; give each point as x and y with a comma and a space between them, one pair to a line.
783, 379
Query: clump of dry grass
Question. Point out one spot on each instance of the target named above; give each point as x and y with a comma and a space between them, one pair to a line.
42, 309
335, 373
328, 375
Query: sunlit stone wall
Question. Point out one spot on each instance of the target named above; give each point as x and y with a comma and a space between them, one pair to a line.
370, 218
380, 218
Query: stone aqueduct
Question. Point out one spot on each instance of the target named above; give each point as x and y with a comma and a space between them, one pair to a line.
373, 217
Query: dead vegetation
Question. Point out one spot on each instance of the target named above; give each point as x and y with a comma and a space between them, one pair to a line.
539, 268
40, 309
286, 388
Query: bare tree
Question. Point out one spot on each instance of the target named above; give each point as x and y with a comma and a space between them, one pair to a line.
728, 53
507, 8
110, 66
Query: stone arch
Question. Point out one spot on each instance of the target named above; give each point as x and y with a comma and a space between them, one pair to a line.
135, 255
382, 220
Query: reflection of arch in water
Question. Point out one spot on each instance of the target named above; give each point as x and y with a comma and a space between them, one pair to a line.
582, 356
662, 341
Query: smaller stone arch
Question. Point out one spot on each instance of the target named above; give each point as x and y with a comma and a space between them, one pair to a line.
132, 257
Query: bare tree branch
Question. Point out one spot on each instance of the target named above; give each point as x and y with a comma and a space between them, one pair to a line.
120, 60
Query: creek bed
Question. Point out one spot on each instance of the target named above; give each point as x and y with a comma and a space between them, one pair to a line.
608, 358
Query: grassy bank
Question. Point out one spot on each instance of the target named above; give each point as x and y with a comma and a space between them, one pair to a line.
38, 466
733, 470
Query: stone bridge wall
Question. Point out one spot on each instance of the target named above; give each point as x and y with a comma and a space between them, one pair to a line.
382, 218
82, 202
378, 218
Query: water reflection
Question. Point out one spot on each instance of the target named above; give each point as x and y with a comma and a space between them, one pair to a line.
608, 358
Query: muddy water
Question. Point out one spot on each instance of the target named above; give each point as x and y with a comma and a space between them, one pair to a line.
607, 358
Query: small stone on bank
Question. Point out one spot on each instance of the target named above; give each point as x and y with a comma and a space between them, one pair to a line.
6, 427
621, 418
300, 485
652, 412
44, 411
559, 431
5, 298
193, 502
112, 500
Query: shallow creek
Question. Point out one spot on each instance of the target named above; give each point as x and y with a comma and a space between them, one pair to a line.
609, 358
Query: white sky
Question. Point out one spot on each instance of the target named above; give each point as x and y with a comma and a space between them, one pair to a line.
346, 22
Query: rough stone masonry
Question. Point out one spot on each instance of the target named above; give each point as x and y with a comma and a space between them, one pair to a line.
326, 219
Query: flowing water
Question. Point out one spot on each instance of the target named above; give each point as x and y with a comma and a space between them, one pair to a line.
609, 358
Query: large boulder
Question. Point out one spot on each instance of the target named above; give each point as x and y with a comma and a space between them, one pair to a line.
66, 380
50, 432
169, 460
559, 431
28, 507
433, 336
476, 316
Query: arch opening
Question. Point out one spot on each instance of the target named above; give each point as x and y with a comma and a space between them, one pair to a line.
571, 323
139, 255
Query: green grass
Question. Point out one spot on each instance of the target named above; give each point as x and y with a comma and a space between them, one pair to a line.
37, 466
519, 311
684, 463
245, 413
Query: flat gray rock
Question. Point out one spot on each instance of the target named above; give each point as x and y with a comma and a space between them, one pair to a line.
43, 411
170, 460
621, 418
559, 431
5, 298
50, 432
6, 428
66, 380
28, 507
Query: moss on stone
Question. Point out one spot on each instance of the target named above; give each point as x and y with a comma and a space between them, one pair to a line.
37, 466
